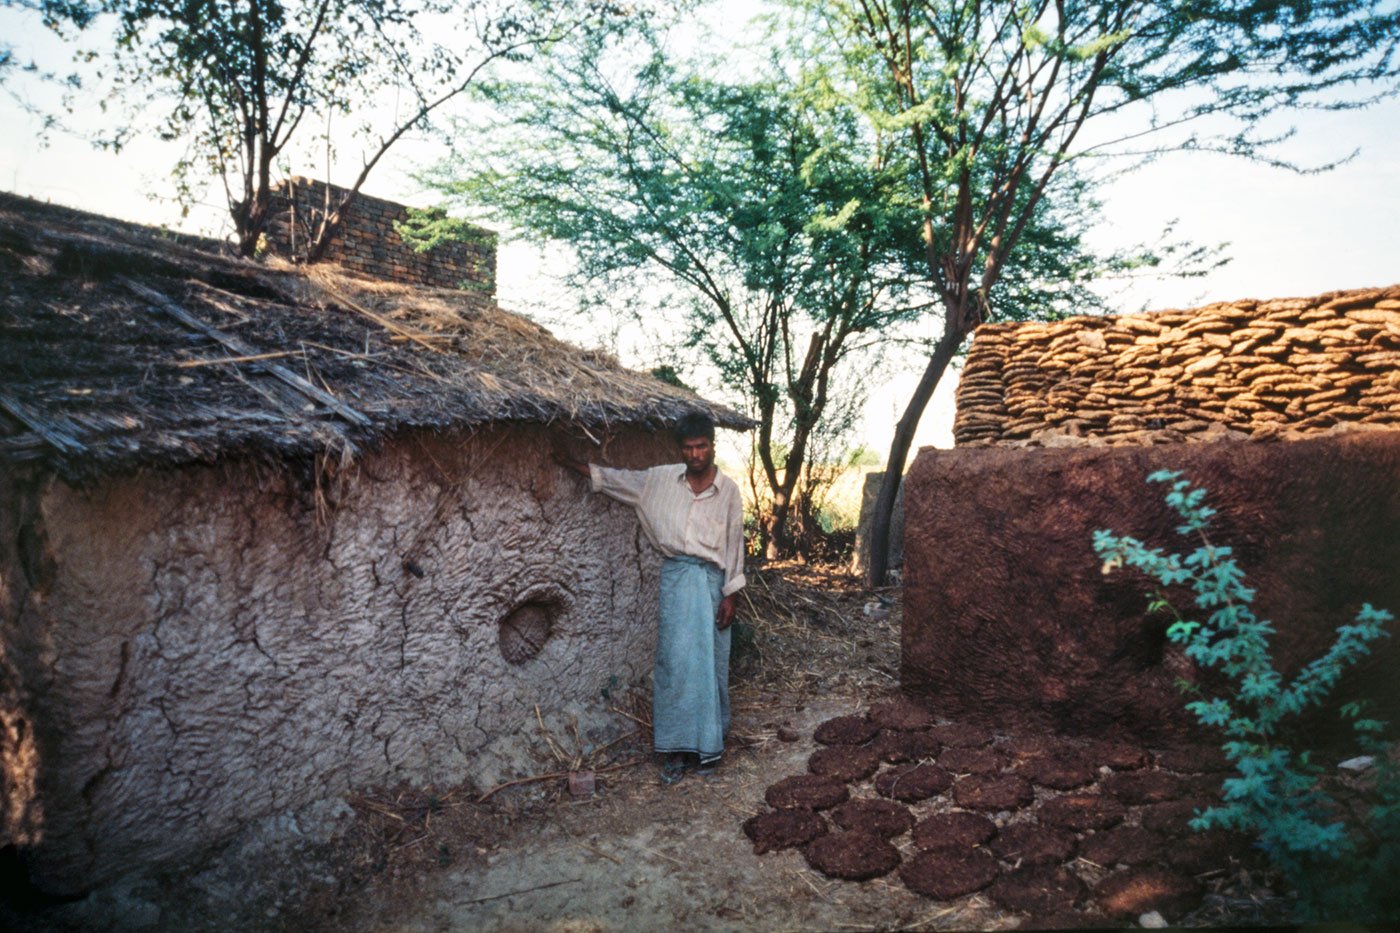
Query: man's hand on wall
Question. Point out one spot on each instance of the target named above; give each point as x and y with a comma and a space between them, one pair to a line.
569, 463
725, 615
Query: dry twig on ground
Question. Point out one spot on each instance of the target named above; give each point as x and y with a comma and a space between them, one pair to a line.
809, 632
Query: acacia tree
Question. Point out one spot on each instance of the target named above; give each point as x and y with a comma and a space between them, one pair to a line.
779, 215
774, 224
238, 79
993, 101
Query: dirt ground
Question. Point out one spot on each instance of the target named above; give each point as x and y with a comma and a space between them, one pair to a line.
640, 854
635, 854
643, 855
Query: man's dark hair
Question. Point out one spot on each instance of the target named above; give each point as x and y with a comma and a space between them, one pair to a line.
694, 424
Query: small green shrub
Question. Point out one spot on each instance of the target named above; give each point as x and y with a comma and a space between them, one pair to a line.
1343, 864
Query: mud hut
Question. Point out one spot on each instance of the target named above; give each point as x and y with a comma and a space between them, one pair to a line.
1287, 411
269, 534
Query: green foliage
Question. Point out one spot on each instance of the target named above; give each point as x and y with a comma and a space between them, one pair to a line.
1341, 867
431, 227
668, 374
757, 208
1000, 105
779, 220
240, 80
862, 456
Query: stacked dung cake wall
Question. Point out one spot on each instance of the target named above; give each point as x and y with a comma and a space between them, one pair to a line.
1295, 366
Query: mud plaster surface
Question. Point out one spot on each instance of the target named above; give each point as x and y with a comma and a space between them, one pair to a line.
203, 648
1008, 620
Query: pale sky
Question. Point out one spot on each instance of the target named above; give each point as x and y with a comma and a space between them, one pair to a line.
1289, 234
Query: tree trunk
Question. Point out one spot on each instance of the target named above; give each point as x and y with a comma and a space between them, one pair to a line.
938, 362
251, 220
779, 544
329, 227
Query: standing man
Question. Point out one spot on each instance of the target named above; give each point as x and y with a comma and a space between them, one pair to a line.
694, 516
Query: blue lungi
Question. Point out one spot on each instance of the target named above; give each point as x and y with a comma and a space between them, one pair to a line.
690, 686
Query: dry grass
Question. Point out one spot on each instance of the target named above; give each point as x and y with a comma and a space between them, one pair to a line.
123, 348
810, 633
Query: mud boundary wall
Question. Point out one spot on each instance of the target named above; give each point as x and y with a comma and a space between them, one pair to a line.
1008, 619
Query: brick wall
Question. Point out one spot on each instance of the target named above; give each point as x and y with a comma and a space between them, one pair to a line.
368, 243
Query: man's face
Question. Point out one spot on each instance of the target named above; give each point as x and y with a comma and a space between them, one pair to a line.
698, 454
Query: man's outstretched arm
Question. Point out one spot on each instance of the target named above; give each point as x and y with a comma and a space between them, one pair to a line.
623, 485
569, 463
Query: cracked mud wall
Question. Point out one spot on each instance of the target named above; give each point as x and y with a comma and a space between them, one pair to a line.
1009, 620
214, 645
22, 568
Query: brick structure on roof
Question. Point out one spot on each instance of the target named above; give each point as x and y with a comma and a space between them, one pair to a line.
369, 244
1289, 367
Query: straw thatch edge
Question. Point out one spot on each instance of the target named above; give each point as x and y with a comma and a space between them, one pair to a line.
124, 347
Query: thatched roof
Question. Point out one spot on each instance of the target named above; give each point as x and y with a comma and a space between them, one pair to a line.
1278, 368
122, 345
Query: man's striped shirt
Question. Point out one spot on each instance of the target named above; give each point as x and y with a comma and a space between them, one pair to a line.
709, 525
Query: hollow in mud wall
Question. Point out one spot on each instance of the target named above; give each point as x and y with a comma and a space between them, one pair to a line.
1009, 620
525, 629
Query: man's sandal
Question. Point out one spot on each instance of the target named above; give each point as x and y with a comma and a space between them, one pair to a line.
672, 772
